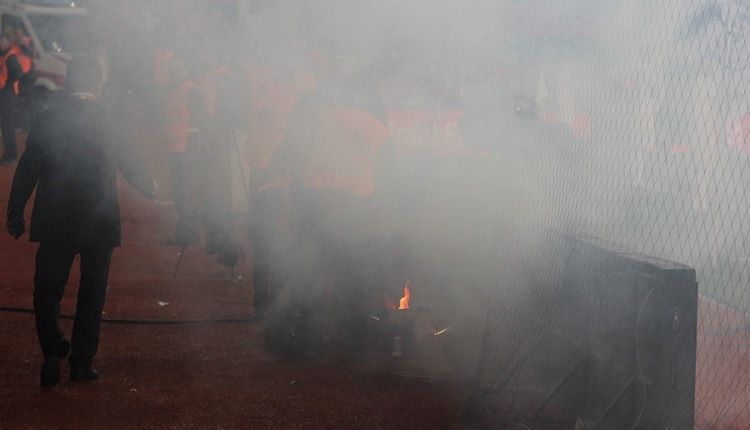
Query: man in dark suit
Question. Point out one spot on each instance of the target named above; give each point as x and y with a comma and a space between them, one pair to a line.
72, 157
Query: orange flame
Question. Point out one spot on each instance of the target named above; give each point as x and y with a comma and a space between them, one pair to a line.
404, 302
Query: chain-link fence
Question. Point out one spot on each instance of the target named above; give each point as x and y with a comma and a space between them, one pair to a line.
642, 143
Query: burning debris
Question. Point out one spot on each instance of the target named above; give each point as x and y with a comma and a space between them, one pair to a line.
404, 302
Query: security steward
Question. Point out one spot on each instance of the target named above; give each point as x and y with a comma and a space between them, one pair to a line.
160, 83
185, 117
25, 51
342, 167
14, 65
275, 90
217, 87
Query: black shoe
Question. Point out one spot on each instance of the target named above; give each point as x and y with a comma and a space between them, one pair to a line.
50, 374
84, 375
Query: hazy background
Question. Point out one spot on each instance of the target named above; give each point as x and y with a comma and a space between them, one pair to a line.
638, 134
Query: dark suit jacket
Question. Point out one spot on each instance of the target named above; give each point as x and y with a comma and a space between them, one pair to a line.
73, 152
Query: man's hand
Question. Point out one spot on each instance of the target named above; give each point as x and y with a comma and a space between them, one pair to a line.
16, 226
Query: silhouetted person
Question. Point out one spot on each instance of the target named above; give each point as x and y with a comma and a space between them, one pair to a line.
185, 117
218, 87
72, 160
275, 90
342, 169
10, 73
24, 50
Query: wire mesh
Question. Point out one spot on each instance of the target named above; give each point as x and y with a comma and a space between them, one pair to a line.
642, 142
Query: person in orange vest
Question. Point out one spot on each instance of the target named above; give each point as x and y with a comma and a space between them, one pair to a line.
185, 117
162, 57
159, 82
343, 173
275, 88
11, 71
219, 91
25, 51
24, 41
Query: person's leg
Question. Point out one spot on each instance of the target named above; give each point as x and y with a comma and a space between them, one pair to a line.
208, 195
317, 287
229, 246
216, 203
50, 277
264, 232
261, 276
186, 229
349, 286
89, 305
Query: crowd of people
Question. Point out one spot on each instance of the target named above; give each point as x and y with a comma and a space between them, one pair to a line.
317, 166
319, 172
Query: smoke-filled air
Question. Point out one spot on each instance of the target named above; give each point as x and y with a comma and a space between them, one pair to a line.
544, 201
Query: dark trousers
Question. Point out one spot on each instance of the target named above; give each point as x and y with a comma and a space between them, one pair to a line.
217, 178
268, 241
335, 268
53, 264
8, 124
182, 174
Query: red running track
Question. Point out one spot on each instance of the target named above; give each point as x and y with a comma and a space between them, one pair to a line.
217, 375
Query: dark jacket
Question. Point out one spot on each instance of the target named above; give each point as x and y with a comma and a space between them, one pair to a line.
72, 156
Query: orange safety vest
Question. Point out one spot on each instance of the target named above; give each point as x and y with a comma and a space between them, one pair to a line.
207, 85
23, 60
272, 100
161, 66
345, 152
178, 117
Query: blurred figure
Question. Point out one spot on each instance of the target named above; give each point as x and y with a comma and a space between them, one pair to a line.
72, 160
25, 51
185, 118
160, 84
275, 90
11, 71
165, 42
219, 89
341, 164
162, 57
481, 211
24, 41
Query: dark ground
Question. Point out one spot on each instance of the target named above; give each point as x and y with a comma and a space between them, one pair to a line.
208, 370
185, 353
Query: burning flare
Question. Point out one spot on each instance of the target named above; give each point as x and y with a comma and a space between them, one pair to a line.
404, 302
